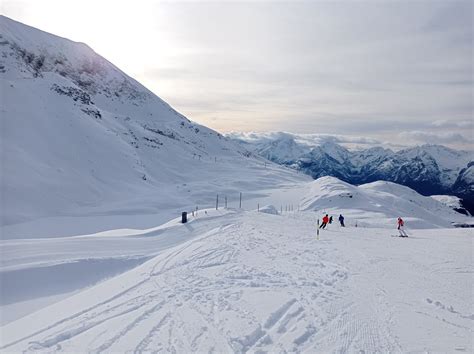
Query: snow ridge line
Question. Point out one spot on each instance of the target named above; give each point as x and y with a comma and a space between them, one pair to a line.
145, 342
308, 333
184, 247
247, 342
129, 327
137, 285
263, 336
71, 333
278, 314
288, 317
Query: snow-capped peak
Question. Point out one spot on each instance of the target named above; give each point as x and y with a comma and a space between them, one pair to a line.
91, 136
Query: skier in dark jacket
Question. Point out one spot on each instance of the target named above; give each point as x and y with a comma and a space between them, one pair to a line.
341, 220
330, 220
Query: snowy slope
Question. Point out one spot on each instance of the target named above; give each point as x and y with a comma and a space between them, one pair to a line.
465, 182
260, 282
283, 150
452, 202
41, 269
91, 140
378, 204
448, 200
449, 161
280, 147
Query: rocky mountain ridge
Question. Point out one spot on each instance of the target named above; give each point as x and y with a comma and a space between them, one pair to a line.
428, 169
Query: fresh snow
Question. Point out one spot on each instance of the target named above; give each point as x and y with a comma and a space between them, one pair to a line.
249, 281
448, 200
49, 268
268, 209
468, 176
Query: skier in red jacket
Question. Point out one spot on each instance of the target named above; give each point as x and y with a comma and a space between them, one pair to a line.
401, 224
325, 222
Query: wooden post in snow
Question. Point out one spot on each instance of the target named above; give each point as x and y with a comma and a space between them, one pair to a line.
317, 229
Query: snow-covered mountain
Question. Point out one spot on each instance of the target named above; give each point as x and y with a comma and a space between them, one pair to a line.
429, 169
79, 137
452, 202
464, 183
378, 204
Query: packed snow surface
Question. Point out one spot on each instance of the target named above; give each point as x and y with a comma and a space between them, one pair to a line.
249, 281
49, 259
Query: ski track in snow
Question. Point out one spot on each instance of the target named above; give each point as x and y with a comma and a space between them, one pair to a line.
259, 283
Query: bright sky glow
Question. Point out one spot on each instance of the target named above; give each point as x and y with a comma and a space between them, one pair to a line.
399, 71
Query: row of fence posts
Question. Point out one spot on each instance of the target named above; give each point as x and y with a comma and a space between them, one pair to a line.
194, 213
288, 208
225, 201
199, 157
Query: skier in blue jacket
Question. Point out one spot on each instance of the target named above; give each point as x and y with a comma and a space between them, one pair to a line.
341, 220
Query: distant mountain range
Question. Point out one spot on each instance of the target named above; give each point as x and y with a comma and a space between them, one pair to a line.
428, 169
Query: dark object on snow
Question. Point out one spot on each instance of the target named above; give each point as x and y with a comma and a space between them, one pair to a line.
184, 217
330, 220
341, 220
463, 225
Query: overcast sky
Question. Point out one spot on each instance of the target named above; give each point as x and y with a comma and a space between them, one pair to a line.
397, 71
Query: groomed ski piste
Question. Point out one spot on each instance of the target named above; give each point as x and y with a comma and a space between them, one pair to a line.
240, 280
